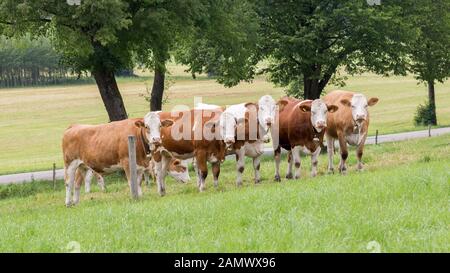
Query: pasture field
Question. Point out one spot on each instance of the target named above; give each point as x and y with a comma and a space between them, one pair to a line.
32, 120
401, 201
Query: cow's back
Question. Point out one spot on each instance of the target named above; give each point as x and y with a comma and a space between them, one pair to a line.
98, 146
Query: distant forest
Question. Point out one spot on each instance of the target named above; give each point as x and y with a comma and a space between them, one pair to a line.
27, 62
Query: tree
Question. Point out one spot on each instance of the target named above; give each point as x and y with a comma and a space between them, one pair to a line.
105, 36
430, 50
307, 41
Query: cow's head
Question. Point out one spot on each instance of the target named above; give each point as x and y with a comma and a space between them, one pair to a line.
319, 110
266, 111
227, 125
178, 169
152, 125
359, 106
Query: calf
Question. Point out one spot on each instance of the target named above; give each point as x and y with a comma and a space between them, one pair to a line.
178, 169
301, 126
104, 149
193, 135
349, 124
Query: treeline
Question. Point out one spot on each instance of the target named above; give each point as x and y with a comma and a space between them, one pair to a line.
25, 62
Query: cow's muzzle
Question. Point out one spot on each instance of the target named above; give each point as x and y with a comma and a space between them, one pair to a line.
155, 140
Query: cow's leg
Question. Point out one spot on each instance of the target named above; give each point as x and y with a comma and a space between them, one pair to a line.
146, 178
140, 174
202, 170
69, 175
197, 172
359, 153
100, 182
296, 160
277, 155
256, 167
88, 180
79, 177
290, 163
330, 151
240, 165
314, 161
216, 172
344, 153
161, 170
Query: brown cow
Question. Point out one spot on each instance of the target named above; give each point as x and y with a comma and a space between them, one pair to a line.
104, 148
301, 126
349, 125
193, 134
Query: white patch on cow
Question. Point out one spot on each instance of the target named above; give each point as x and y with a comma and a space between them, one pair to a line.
266, 112
182, 177
352, 139
88, 180
70, 178
205, 106
153, 126
319, 111
254, 149
212, 159
359, 108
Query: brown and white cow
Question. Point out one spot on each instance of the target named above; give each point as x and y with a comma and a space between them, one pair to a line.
301, 126
104, 149
244, 128
193, 135
178, 170
349, 125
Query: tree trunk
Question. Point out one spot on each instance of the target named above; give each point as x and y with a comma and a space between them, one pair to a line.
311, 89
110, 94
432, 102
157, 90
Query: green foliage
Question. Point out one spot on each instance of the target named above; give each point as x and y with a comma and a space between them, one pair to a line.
429, 51
425, 115
30, 61
307, 41
223, 43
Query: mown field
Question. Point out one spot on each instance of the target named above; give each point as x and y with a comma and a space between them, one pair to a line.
32, 120
401, 201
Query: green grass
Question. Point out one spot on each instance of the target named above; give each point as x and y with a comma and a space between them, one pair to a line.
32, 120
400, 201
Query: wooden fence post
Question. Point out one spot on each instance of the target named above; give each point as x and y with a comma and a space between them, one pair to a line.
132, 164
376, 137
54, 176
429, 130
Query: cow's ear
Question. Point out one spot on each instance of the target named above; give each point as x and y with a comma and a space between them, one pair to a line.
372, 101
281, 104
166, 123
176, 162
305, 108
346, 102
332, 108
139, 124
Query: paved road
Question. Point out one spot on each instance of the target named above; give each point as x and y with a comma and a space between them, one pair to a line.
48, 175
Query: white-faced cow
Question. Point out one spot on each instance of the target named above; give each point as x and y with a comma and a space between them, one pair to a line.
244, 128
349, 125
301, 126
104, 149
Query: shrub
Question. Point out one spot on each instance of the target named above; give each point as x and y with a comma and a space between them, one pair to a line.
425, 115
